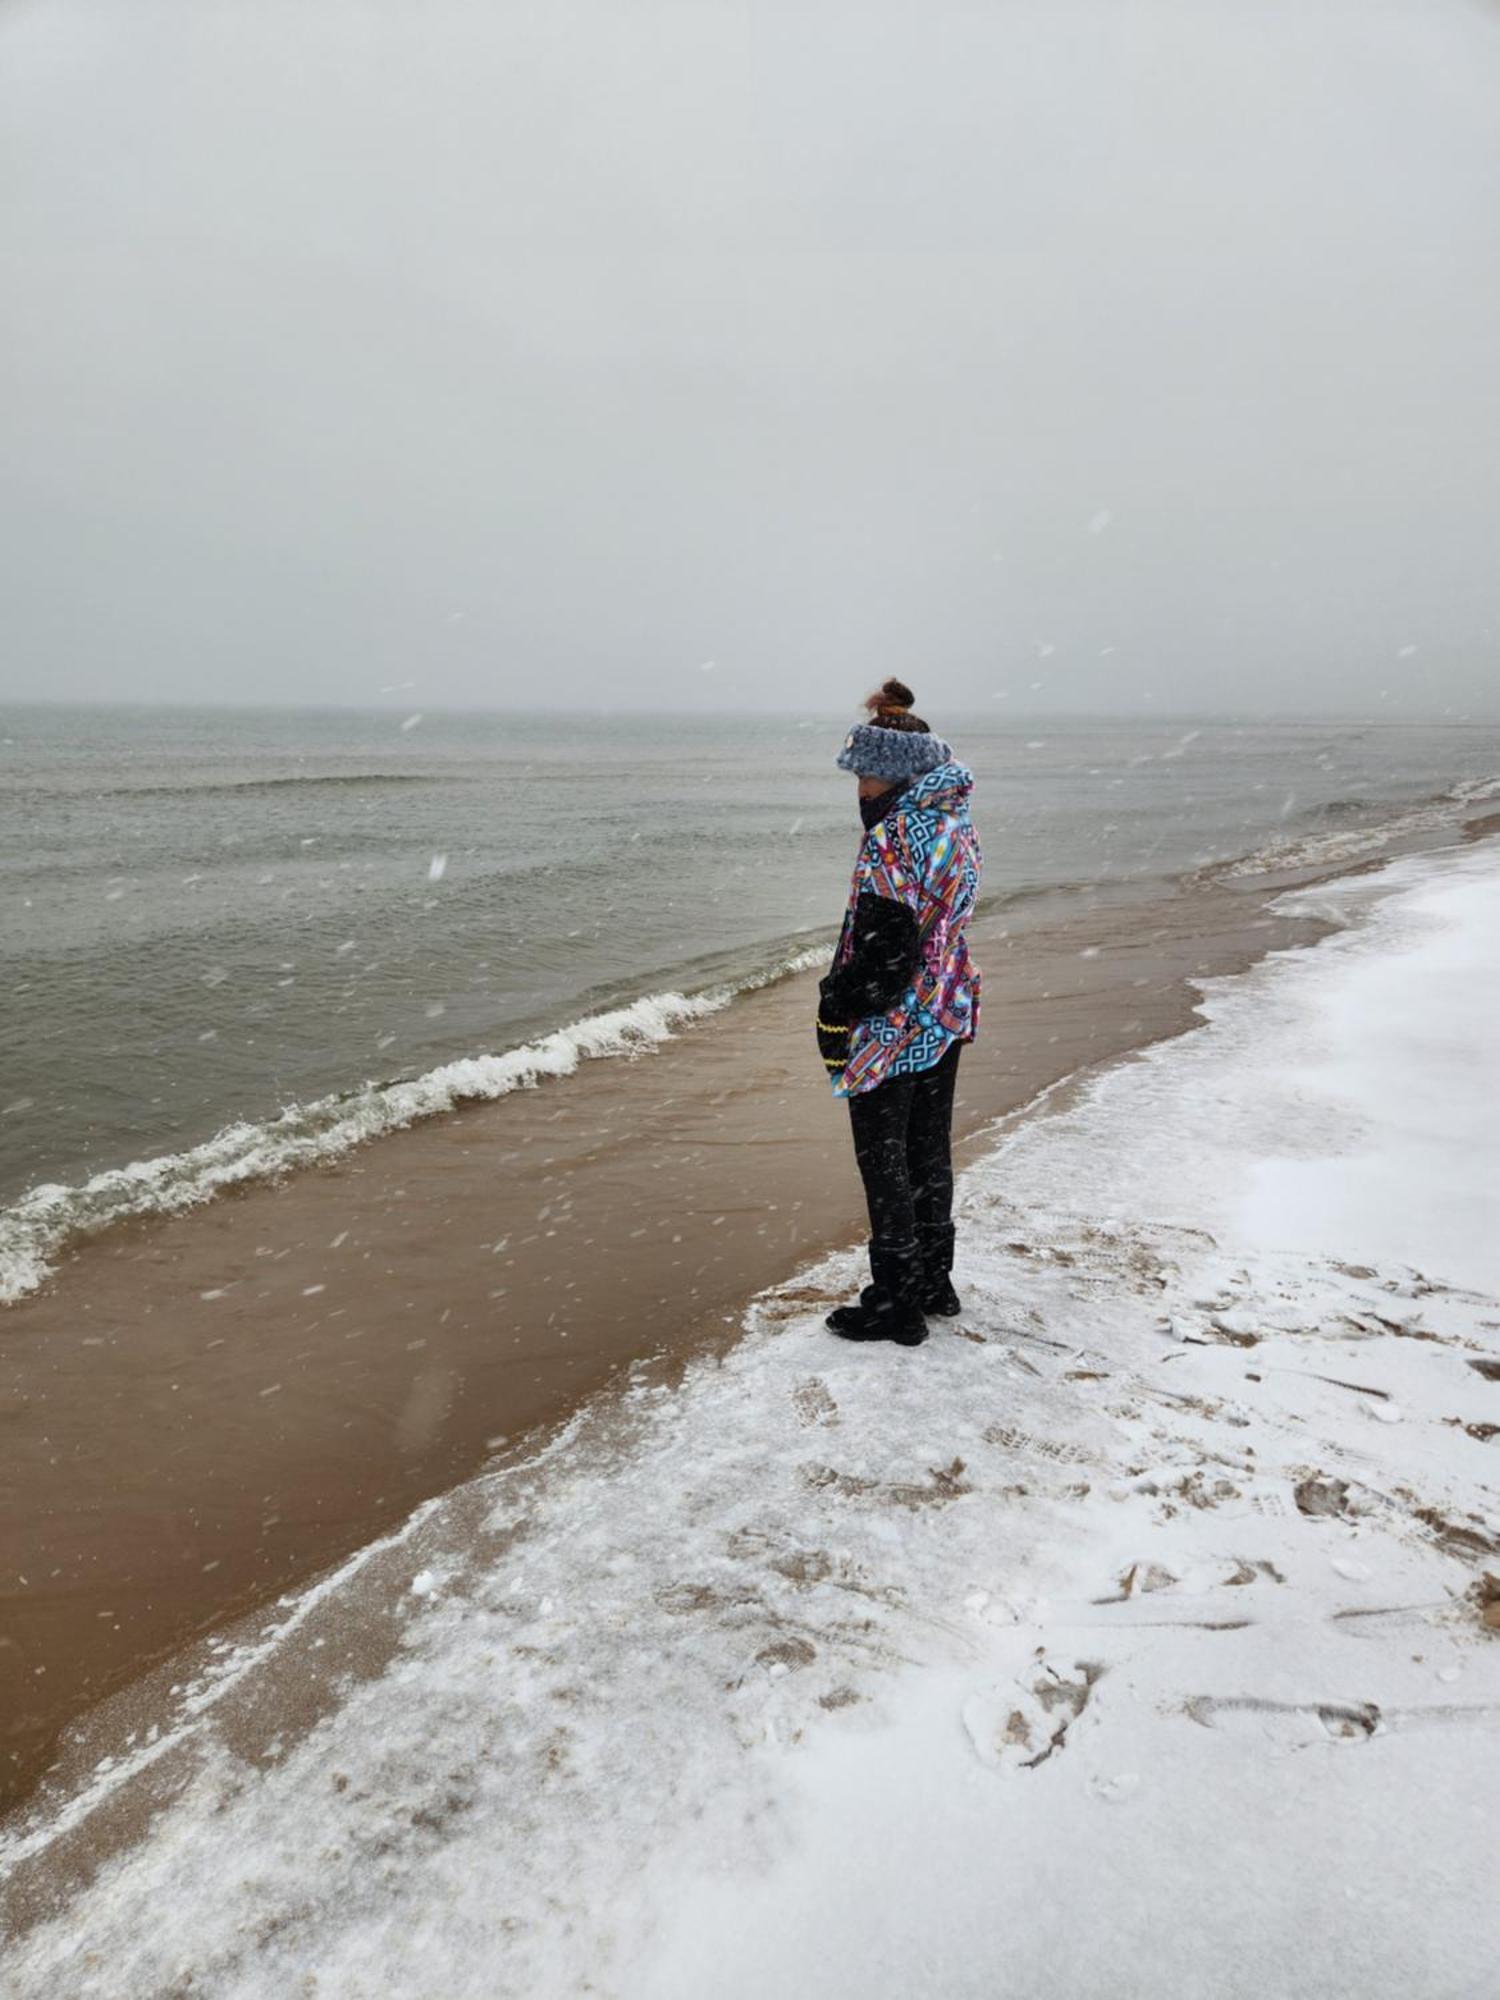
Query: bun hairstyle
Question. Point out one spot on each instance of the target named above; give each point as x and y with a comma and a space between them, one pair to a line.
890, 708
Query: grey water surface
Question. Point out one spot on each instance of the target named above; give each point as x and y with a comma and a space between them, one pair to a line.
213, 914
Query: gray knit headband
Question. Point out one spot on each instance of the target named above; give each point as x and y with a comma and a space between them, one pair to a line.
872, 752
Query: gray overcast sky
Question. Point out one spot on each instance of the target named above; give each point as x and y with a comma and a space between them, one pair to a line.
553, 351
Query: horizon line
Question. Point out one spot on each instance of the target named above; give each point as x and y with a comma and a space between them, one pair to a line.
1444, 718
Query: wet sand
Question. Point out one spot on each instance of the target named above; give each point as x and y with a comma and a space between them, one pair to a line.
199, 1413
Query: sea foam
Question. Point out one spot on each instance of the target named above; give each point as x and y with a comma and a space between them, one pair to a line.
1342, 846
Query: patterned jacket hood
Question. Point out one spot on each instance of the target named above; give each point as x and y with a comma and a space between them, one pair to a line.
945, 789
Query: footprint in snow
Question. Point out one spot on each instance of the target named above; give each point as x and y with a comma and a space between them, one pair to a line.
1288, 1725
814, 1403
1019, 1724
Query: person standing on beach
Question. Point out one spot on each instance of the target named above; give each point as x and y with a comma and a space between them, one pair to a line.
896, 1006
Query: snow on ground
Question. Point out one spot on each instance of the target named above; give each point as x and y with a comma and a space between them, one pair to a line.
1127, 1639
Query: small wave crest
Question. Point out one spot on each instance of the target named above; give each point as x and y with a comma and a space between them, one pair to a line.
1331, 846
238, 787
34, 1229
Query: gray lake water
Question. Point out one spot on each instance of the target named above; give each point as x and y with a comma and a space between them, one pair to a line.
209, 915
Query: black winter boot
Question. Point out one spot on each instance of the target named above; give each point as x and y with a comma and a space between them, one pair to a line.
935, 1249
890, 1307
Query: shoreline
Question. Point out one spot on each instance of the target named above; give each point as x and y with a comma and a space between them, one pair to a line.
251, 1405
43, 1219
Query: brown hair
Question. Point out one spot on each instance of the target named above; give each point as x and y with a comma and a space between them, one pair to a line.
890, 708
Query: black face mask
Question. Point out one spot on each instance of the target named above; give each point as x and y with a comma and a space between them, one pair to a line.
873, 811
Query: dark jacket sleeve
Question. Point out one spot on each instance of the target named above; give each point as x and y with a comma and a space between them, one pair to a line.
886, 951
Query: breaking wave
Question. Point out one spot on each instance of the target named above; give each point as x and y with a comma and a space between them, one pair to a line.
34, 1229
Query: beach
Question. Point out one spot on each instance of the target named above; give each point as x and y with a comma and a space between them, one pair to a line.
987, 1667
215, 1398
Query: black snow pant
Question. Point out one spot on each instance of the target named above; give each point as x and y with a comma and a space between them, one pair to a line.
903, 1132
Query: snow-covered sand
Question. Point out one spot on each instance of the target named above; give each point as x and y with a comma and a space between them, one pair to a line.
1128, 1639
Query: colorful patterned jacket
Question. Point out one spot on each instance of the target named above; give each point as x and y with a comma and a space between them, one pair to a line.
901, 979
